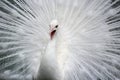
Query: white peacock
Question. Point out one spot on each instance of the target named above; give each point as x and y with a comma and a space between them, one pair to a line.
59, 40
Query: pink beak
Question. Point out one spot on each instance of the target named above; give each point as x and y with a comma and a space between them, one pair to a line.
52, 33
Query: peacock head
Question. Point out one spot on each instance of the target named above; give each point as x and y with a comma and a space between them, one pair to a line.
53, 27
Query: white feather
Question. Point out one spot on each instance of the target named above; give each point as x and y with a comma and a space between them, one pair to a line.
86, 45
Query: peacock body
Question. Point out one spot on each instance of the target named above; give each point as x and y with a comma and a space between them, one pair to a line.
59, 40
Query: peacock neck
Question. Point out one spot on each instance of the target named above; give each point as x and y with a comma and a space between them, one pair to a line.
48, 69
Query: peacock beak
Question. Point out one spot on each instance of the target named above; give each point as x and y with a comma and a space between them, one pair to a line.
52, 33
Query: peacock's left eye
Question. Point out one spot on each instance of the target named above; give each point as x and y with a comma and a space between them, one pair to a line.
56, 26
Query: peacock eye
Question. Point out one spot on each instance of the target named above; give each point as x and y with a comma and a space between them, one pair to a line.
56, 26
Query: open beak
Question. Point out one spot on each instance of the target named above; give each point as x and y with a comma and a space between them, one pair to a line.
52, 33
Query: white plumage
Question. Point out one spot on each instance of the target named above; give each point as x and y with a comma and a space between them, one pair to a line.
85, 45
